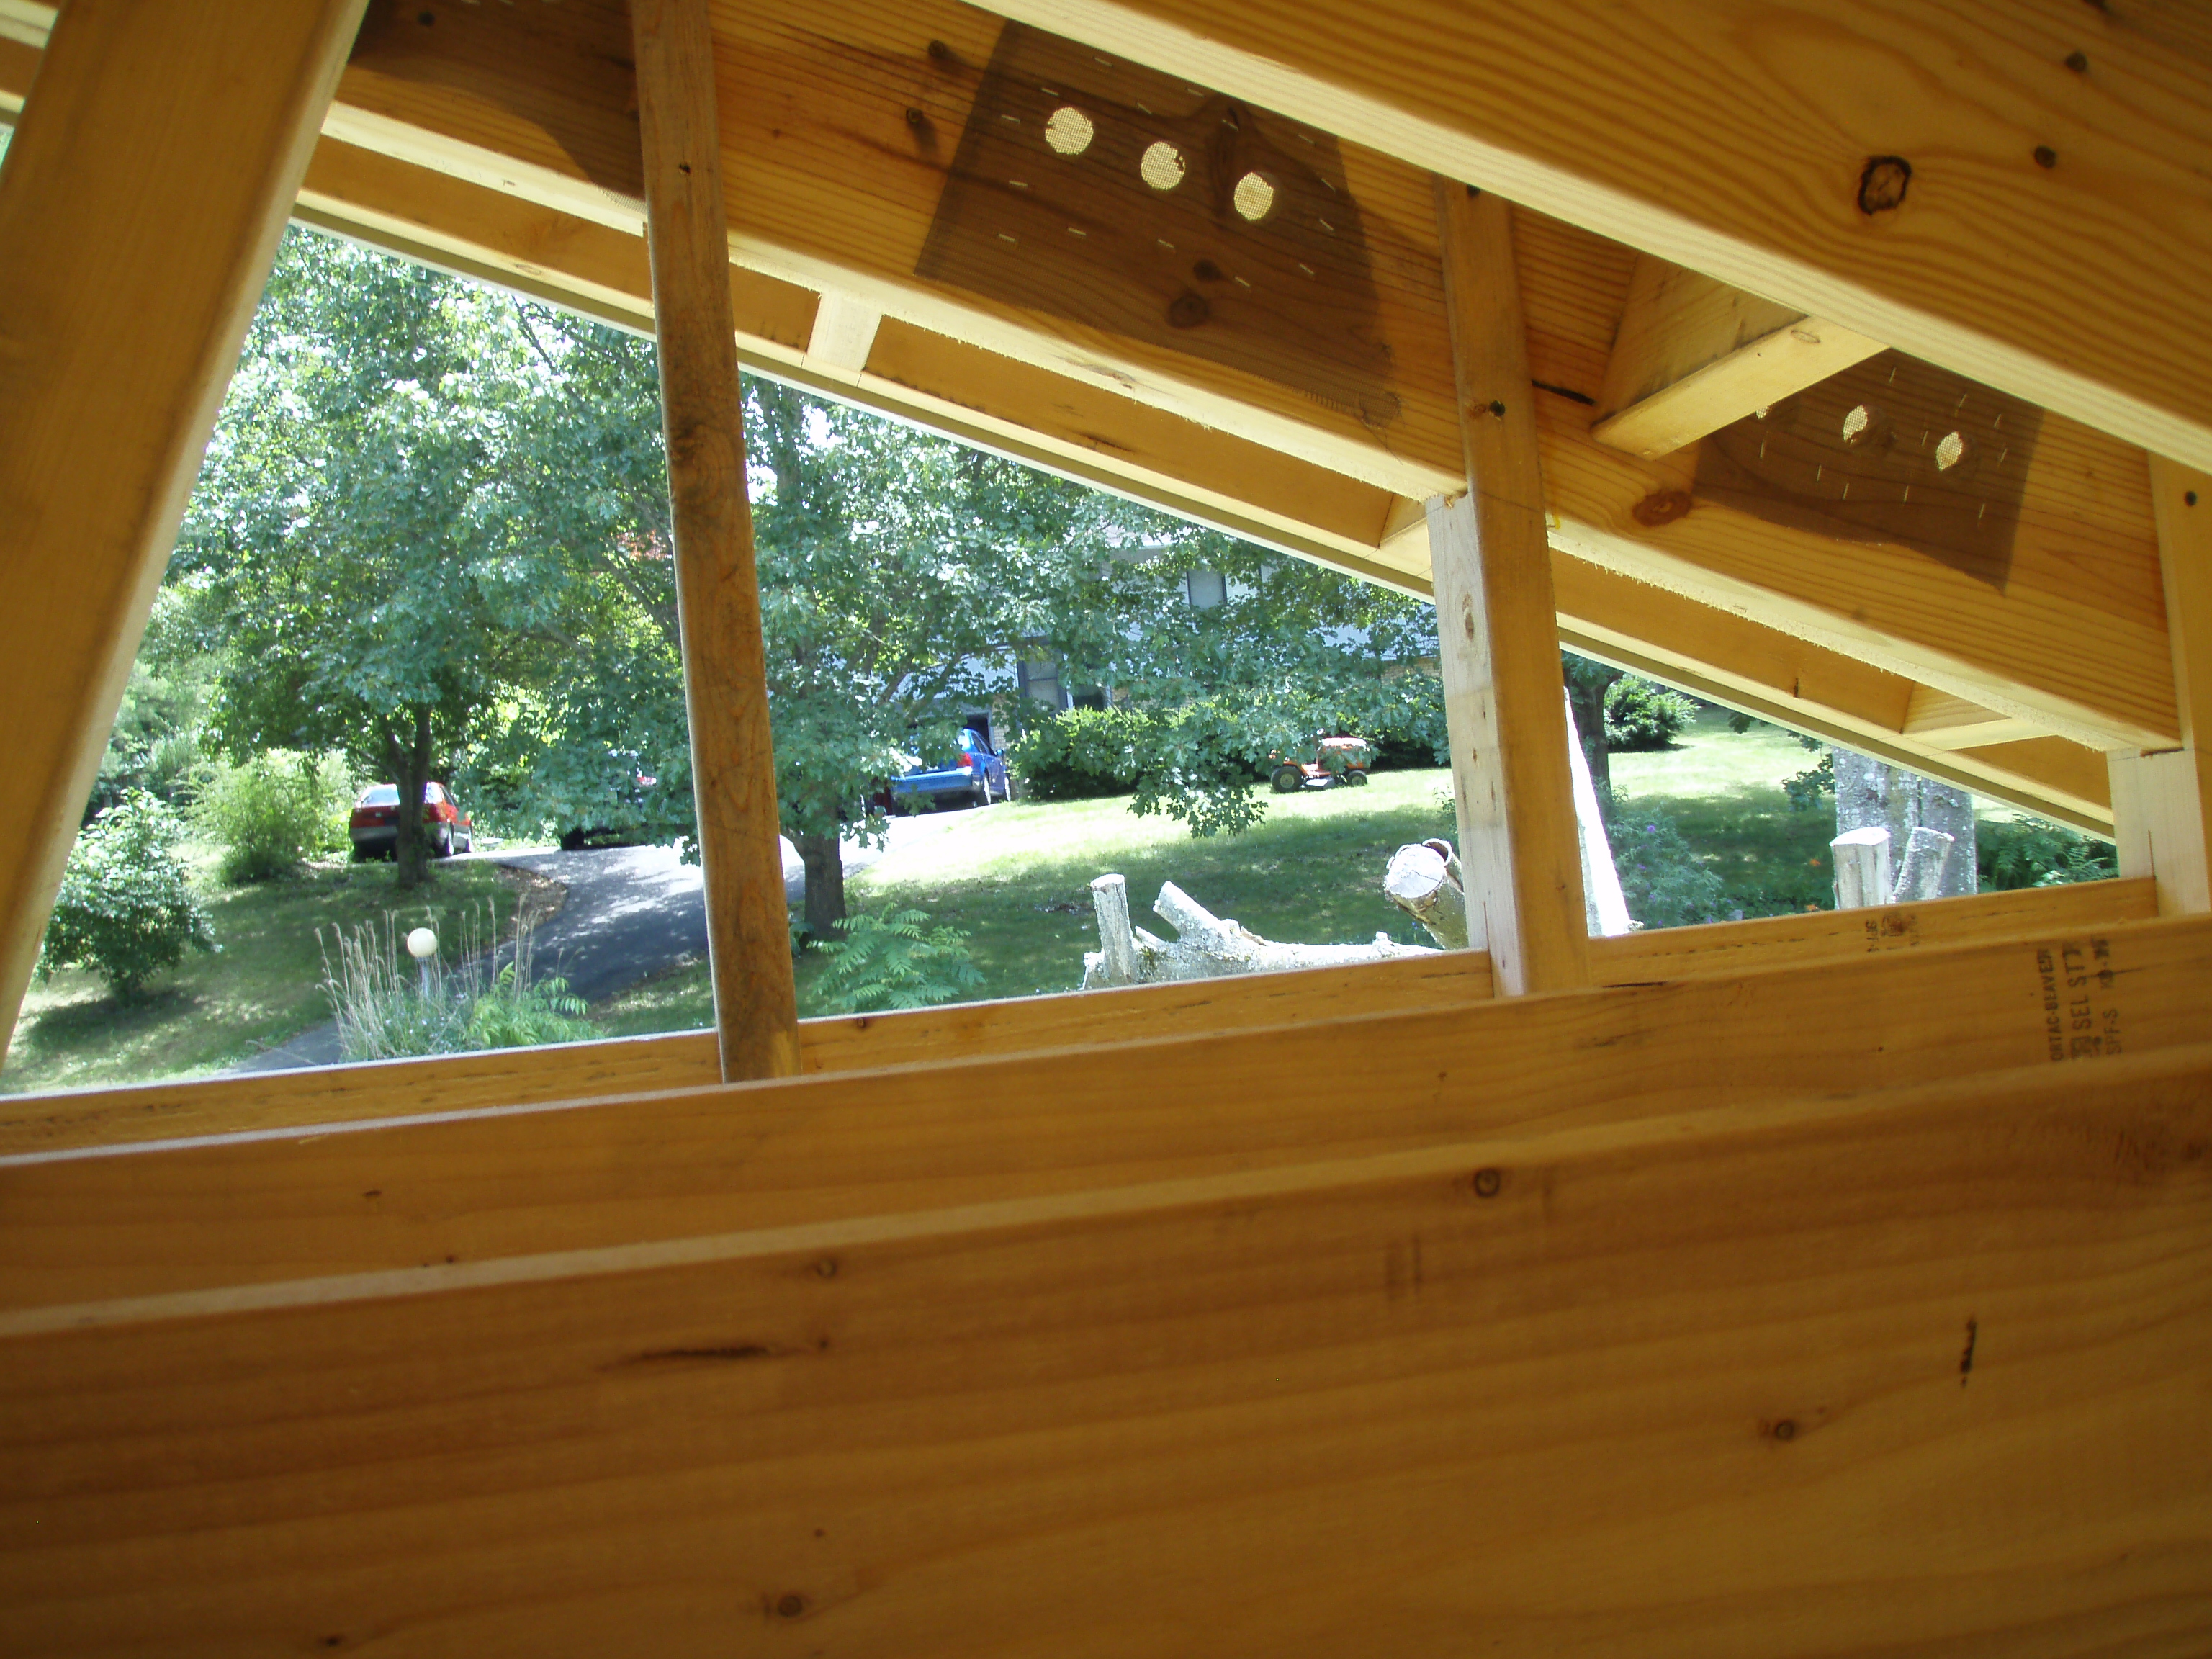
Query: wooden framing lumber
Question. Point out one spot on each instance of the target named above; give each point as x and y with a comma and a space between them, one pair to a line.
838, 188
1491, 567
2162, 801
1693, 355
2018, 220
2073, 642
725, 674
126, 258
41, 1125
115, 1226
1404, 1357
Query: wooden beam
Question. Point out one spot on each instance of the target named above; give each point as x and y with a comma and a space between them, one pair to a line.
1491, 565
1694, 355
483, 1186
1943, 721
2089, 654
2162, 802
43, 1125
1823, 1328
725, 673
2022, 221
1779, 676
130, 263
2070, 638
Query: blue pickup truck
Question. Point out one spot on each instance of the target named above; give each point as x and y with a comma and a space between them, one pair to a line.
975, 775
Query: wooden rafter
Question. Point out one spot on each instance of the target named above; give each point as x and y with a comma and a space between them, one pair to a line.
125, 259
2071, 642
2033, 214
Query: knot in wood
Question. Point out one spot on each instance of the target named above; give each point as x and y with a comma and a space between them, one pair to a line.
1187, 310
1882, 184
1661, 507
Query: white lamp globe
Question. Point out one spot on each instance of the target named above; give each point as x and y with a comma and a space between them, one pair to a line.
421, 944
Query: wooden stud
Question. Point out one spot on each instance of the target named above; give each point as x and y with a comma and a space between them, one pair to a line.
129, 265
1692, 354
2162, 801
1492, 568
725, 673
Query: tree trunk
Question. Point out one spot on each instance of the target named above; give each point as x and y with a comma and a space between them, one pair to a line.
823, 858
411, 767
1871, 795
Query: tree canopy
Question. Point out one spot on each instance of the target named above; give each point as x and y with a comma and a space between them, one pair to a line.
432, 532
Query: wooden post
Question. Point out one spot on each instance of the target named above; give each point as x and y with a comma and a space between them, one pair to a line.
718, 597
1498, 629
2162, 802
130, 261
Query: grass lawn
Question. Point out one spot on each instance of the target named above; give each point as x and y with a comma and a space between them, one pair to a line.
264, 985
1017, 878
1723, 790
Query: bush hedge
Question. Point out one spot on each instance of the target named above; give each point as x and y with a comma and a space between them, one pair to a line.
126, 910
1641, 715
272, 813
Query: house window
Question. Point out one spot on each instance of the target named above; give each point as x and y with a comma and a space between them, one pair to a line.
1207, 589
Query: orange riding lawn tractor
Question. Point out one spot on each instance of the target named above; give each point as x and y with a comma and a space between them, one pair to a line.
1337, 759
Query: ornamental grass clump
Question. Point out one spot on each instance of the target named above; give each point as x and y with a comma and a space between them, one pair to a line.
126, 909
387, 1008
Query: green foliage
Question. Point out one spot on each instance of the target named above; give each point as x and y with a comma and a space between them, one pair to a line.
1080, 754
154, 744
1642, 714
383, 1011
896, 961
272, 813
1805, 788
1665, 882
2031, 852
126, 910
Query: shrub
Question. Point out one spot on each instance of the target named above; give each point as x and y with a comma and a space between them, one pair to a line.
273, 812
1664, 881
2031, 852
885, 962
1640, 714
1082, 753
126, 910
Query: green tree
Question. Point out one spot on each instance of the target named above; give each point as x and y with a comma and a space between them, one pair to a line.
397, 529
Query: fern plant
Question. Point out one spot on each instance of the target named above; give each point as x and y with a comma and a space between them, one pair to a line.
898, 961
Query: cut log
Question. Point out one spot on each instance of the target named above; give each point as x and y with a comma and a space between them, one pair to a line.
1208, 946
1110, 899
1862, 858
1424, 880
1927, 853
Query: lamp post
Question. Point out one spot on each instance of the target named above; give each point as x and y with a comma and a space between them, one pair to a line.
422, 946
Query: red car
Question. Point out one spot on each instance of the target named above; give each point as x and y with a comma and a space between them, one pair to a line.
375, 822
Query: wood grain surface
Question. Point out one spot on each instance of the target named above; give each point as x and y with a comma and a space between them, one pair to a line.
718, 592
1848, 1373
2016, 192
127, 258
